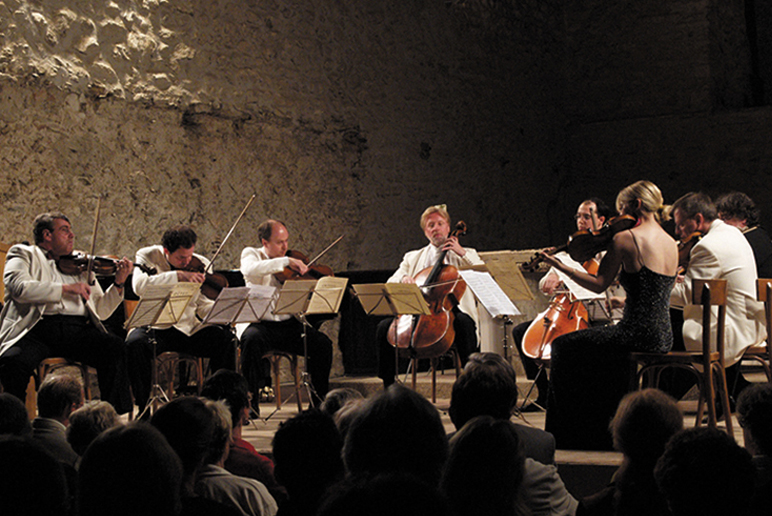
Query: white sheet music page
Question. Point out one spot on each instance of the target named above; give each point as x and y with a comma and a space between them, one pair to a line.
489, 293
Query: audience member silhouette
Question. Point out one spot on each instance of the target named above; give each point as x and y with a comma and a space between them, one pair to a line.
485, 468
644, 422
754, 411
337, 398
130, 470
189, 427
307, 450
14, 419
243, 460
397, 431
58, 396
32, 481
214, 482
488, 386
703, 472
387, 494
87, 422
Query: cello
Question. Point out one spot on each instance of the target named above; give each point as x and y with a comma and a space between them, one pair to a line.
431, 335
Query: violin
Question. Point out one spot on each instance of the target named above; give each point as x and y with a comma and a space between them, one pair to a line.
584, 245
431, 335
213, 281
685, 249
77, 263
314, 271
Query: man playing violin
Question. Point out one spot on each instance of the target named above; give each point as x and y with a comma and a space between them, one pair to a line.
435, 223
49, 313
721, 253
172, 259
278, 331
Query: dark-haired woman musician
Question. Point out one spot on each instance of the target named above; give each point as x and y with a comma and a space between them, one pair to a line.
590, 368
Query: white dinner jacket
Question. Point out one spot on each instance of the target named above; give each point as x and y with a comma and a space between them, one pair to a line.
723, 253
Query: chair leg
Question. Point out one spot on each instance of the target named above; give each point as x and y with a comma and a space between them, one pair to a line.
720, 376
276, 366
433, 365
295, 365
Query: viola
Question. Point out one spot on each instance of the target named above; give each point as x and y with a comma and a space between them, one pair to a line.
213, 282
431, 335
77, 263
685, 249
314, 271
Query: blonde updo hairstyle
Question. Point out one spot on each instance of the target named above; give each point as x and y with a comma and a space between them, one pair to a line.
645, 191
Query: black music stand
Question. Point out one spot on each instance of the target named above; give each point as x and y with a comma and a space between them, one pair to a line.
301, 298
392, 299
161, 305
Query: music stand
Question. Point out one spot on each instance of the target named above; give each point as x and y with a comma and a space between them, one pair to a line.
393, 299
301, 298
160, 305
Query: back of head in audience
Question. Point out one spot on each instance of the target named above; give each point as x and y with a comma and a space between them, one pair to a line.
32, 482
59, 395
87, 422
388, 494
754, 411
130, 470
14, 419
232, 388
485, 468
703, 472
488, 386
221, 436
644, 422
189, 427
337, 398
397, 430
307, 453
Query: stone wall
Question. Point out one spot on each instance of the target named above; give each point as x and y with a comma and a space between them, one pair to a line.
342, 117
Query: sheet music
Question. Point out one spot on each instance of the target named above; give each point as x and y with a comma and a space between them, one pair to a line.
163, 305
294, 297
391, 299
241, 305
488, 292
505, 267
327, 295
580, 293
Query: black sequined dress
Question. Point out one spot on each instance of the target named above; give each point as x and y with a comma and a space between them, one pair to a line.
590, 370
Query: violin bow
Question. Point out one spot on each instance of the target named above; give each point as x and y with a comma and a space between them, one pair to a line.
311, 262
217, 253
90, 266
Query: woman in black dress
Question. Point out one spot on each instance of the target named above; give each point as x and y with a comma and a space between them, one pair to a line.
590, 369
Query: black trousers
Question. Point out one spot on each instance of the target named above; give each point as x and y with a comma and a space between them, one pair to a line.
216, 343
260, 338
465, 344
75, 338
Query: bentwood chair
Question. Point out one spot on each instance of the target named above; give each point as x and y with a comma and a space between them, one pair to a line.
707, 364
761, 352
433, 362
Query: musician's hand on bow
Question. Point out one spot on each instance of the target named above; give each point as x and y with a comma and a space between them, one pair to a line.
298, 266
190, 276
77, 289
551, 283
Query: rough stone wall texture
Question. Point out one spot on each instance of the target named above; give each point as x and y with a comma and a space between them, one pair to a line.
341, 116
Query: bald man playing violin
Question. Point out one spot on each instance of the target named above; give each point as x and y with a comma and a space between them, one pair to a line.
435, 223
172, 259
280, 332
49, 313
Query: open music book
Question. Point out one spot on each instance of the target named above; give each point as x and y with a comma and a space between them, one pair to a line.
162, 305
391, 299
311, 297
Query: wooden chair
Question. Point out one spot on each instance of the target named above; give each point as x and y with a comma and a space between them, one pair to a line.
707, 364
48, 365
274, 357
433, 361
761, 352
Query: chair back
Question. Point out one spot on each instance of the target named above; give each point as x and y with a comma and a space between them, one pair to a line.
709, 293
764, 294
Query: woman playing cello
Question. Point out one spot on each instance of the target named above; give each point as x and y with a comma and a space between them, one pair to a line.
590, 368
